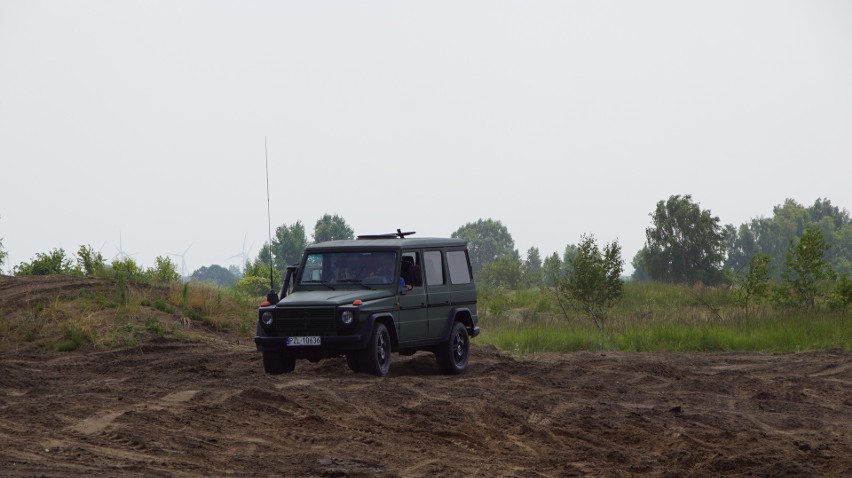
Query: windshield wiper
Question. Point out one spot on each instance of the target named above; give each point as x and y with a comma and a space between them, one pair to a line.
356, 281
325, 283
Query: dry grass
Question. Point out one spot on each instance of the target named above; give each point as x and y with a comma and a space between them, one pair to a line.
125, 314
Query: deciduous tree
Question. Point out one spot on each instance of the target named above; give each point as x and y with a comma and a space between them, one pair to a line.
288, 244
685, 244
332, 228
842, 294
594, 284
532, 267
806, 267
551, 270
214, 274
755, 281
772, 235
487, 241
504, 272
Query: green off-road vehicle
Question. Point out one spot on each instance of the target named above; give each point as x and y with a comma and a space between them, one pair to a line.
368, 297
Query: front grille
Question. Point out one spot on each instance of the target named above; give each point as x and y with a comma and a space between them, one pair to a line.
305, 321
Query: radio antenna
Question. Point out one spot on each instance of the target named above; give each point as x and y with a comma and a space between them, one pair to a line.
268, 216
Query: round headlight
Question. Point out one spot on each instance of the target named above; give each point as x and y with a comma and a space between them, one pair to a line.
347, 317
266, 318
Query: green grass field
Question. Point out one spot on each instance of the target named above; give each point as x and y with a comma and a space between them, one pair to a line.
658, 317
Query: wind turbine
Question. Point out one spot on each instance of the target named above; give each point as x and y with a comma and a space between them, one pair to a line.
121, 255
182, 260
244, 255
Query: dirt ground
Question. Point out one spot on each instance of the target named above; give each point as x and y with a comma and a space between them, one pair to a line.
175, 408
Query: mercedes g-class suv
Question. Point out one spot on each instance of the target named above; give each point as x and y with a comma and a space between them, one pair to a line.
368, 297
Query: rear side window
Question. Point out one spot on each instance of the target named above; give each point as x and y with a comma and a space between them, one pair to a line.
459, 270
434, 269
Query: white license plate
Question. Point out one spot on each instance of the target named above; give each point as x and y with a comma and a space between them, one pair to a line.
301, 341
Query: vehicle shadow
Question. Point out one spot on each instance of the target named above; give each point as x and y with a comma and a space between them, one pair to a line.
419, 364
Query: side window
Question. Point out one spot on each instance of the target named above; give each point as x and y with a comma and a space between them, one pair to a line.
410, 269
434, 269
459, 270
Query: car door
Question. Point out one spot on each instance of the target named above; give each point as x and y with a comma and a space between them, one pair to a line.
413, 318
437, 291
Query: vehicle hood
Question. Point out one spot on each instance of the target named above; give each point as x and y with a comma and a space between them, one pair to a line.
332, 297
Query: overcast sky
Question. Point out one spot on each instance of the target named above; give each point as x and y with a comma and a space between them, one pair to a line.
144, 122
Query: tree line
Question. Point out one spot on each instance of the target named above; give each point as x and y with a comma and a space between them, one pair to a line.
792, 256
797, 257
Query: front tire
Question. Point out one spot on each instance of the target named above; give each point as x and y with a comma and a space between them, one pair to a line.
275, 363
376, 358
353, 361
453, 355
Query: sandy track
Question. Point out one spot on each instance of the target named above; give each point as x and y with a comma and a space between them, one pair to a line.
172, 408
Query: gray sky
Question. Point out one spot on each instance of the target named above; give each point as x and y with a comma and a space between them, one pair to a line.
146, 120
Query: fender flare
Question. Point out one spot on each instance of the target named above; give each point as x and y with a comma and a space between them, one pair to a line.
367, 328
464, 315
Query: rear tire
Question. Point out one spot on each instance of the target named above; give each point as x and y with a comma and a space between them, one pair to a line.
275, 363
453, 355
376, 358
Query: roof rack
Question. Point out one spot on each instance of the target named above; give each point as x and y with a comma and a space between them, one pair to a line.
391, 235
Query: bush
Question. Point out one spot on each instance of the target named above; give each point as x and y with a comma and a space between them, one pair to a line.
842, 294
755, 284
253, 286
90, 262
806, 268
53, 262
127, 270
164, 273
594, 284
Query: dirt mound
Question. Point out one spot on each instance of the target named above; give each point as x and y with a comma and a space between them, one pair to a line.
171, 408
24, 291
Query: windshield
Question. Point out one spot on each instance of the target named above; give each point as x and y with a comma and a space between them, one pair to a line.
365, 268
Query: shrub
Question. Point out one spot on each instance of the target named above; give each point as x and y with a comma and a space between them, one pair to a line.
842, 294
164, 273
53, 262
90, 262
806, 268
253, 286
755, 281
594, 283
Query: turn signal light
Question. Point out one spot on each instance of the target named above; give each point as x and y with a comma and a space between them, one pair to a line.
357, 302
265, 303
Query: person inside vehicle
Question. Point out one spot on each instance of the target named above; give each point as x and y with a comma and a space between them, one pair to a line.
410, 273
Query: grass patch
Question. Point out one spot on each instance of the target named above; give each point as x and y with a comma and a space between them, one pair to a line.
74, 338
657, 317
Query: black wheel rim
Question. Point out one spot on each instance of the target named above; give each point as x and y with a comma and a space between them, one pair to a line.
459, 346
382, 349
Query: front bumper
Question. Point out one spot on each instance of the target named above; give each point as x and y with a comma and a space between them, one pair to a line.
330, 346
